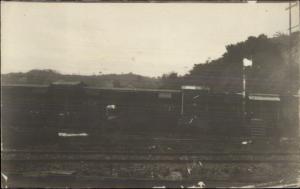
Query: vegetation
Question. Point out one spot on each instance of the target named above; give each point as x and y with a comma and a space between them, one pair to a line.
45, 77
274, 70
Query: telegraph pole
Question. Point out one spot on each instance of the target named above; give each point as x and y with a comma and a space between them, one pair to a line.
299, 79
290, 49
289, 76
246, 63
290, 18
290, 57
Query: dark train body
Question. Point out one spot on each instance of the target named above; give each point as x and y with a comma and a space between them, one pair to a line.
74, 106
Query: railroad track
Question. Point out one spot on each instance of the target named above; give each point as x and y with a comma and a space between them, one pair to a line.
143, 141
147, 153
143, 157
108, 161
131, 182
159, 135
151, 161
152, 150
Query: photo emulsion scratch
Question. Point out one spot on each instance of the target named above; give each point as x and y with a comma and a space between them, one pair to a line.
164, 94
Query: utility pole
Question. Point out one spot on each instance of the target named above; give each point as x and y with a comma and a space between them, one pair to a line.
290, 49
290, 59
290, 18
299, 79
246, 63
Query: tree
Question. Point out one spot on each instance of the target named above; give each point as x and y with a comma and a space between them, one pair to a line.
116, 83
271, 71
171, 80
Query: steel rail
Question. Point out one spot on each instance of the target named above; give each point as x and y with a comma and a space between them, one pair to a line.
177, 161
97, 181
150, 153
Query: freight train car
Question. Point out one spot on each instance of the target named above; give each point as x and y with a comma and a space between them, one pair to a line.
75, 106
210, 113
72, 105
138, 108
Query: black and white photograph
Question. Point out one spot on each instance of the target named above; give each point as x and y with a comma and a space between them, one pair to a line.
150, 94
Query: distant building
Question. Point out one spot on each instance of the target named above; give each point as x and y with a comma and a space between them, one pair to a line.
193, 87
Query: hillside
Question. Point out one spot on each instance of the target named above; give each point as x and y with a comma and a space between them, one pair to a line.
45, 77
274, 70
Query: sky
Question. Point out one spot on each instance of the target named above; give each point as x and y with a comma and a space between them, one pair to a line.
143, 38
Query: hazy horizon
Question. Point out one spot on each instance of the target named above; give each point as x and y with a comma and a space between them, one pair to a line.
147, 39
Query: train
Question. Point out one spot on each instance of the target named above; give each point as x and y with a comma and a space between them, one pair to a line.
65, 106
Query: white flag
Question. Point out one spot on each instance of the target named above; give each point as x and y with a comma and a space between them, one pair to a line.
247, 62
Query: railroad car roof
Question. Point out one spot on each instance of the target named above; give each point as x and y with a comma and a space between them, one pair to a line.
68, 83
93, 88
24, 85
253, 96
264, 98
134, 89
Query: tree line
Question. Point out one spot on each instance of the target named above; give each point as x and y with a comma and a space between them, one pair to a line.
274, 70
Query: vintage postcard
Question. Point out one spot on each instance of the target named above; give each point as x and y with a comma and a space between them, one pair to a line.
150, 94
